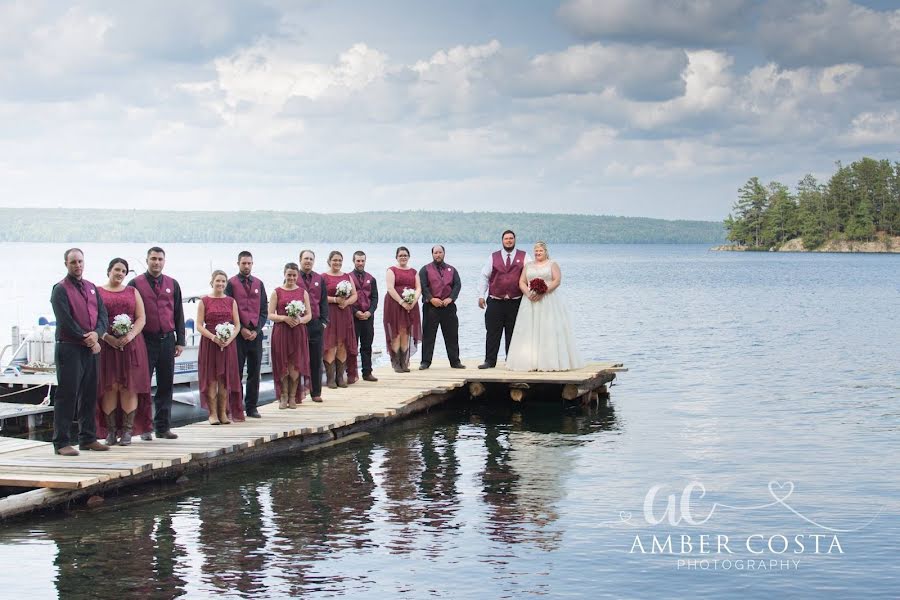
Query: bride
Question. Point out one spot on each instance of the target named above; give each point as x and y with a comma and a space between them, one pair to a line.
542, 339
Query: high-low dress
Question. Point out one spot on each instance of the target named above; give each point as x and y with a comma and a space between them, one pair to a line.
216, 363
396, 317
127, 367
543, 339
290, 345
341, 328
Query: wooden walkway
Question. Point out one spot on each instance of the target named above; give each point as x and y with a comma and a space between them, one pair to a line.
346, 414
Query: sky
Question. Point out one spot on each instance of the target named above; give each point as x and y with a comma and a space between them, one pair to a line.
653, 108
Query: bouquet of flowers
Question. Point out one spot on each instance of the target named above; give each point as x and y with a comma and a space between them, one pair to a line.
295, 308
538, 286
121, 325
408, 295
224, 331
344, 289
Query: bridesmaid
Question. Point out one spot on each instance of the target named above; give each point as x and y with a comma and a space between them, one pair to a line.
341, 346
220, 381
402, 323
124, 400
290, 343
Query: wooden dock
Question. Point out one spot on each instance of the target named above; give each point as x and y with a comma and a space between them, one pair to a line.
347, 414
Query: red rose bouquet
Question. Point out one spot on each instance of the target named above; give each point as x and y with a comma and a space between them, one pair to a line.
538, 285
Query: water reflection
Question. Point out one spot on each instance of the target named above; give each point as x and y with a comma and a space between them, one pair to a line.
302, 524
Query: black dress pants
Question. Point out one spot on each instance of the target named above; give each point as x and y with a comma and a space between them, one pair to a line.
365, 332
250, 353
445, 318
77, 371
499, 320
315, 332
161, 355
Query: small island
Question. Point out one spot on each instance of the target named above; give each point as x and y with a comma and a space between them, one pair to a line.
858, 210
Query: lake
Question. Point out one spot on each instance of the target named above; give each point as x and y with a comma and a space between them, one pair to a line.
761, 411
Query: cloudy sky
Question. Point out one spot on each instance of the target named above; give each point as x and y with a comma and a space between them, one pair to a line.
659, 108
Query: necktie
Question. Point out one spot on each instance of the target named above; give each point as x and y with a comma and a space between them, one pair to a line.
247, 284
507, 260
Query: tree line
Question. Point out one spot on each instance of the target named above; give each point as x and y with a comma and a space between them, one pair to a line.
857, 203
79, 225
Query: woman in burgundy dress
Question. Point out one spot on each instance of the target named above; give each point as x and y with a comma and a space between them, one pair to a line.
290, 344
402, 323
124, 384
221, 392
340, 335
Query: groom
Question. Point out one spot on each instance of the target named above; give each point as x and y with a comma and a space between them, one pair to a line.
499, 293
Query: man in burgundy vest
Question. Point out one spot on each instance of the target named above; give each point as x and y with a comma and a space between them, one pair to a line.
80, 321
440, 289
314, 284
163, 334
250, 295
363, 310
499, 293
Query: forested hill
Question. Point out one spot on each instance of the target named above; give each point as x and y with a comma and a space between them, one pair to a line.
78, 225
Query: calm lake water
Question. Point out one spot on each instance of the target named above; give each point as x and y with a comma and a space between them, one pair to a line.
756, 376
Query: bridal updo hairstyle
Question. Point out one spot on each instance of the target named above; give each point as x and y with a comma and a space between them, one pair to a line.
544, 246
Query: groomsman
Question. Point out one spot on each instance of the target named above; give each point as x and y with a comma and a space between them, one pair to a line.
253, 307
80, 321
314, 284
163, 334
440, 289
499, 293
363, 311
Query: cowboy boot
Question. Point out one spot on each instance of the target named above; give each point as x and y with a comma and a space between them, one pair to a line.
223, 408
127, 426
395, 362
285, 392
329, 375
111, 428
340, 372
404, 361
293, 401
212, 405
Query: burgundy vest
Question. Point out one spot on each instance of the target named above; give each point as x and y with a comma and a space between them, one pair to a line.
441, 283
159, 305
247, 301
504, 282
84, 308
363, 291
315, 290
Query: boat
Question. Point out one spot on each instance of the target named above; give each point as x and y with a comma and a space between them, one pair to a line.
29, 376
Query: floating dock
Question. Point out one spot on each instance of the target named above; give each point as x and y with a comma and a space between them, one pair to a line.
347, 413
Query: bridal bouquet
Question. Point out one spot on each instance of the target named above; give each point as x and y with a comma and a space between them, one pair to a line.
224, 331
344, 289
538, 286
121, 325
295, 308
408, 295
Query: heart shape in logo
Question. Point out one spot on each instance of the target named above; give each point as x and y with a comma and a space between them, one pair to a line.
625, 516
781, 491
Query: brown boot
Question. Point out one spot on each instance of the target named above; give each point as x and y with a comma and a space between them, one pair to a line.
111, 428
223, 408
404, 361
395, 362
127, 427
212, 405
293, 401
329, 375
369, 377
285, 392
340, 373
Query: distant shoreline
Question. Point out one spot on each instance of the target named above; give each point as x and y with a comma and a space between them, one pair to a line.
165, 227
883, 245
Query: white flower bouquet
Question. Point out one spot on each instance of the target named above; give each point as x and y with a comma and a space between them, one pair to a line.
224, 331
295, 308
408, 295
121, 325
344, 289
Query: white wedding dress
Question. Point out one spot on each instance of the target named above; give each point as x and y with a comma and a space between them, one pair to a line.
542, 339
